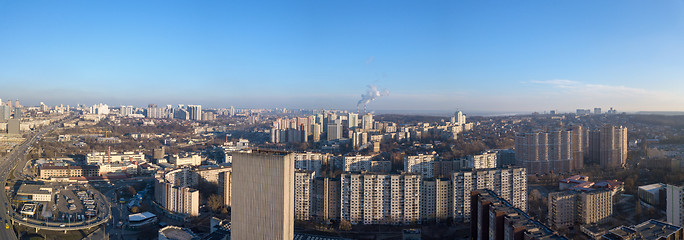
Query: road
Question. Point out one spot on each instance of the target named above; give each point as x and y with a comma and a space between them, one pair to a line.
9, 162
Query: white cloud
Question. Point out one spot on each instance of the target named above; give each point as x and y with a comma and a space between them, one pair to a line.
559, 83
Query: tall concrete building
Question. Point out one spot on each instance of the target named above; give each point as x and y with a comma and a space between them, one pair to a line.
422, 164
544, 152
495, 218
509, 184
367, 121
334, 130
224, 185
13, 126
302, 194
175, 191
675, 205
264, 207
325, 199
483, 160
613, 147
353, 120
365, 163
460, 118
195, 112
436, 199
380, 198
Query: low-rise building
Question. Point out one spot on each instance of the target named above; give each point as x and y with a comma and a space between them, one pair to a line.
185, 160
48, 171
114, 157
34, 193
652, 193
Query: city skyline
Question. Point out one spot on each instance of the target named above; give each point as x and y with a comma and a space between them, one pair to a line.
443, 56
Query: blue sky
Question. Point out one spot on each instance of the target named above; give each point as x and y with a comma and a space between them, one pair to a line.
479, 56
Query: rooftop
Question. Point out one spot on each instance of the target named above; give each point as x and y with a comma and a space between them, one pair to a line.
177, 233
651, 187
140, 216
34, 189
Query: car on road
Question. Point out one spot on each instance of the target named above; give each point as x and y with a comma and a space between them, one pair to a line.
6, 226
62, 225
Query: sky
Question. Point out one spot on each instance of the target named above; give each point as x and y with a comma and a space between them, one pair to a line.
474, 56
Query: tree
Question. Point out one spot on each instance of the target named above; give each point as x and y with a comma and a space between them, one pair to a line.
345, 225
215, 202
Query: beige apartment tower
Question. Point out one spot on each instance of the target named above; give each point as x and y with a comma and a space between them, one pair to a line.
263, 206
554, 151
613, 147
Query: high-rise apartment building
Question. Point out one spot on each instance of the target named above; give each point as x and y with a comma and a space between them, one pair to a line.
613, 147
460, 118
380, 198
436, 199
353, 120
422, 164
264, 209
675, 205
302, 194
496, 218
325, 199
365, 163
195, 112
367, 121
544, 152
175, 192
334, 130
509, 184
483, 160
311, 161
224, 185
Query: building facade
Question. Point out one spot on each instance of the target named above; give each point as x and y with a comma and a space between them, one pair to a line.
175, 191
422, 164
302, 194
264, 209
380, 198
509, 184
545, 152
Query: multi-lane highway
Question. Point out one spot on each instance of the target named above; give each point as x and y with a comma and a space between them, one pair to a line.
8, 163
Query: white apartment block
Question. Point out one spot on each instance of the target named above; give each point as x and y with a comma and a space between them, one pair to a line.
675, 205
509, 184
174, 191
420, 164
302, 194
484, 160
114, 157
380, 198
188, 160
365, 163
310, 161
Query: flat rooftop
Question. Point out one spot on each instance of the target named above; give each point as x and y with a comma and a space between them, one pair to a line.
651, 187
26, 189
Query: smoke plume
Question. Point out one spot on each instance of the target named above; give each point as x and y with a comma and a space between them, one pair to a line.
371, 94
